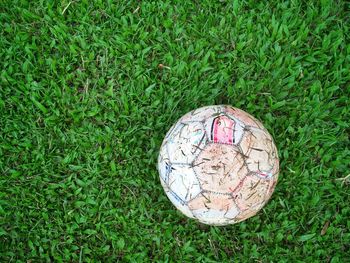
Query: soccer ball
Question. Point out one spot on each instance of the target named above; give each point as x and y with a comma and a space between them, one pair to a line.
218, 164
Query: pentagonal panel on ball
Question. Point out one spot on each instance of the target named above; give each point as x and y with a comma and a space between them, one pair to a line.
224, 129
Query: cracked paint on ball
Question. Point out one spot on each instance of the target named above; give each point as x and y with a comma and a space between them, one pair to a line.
218, 164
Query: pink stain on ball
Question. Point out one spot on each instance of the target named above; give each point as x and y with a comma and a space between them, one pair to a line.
223, 130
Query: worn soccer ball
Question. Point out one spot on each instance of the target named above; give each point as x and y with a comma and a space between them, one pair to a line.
218, 164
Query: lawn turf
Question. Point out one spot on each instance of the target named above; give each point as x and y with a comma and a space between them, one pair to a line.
88, 91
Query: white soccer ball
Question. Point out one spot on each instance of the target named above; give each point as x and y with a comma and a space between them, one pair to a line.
218, 164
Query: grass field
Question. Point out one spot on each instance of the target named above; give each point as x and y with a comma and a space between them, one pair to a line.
88, 91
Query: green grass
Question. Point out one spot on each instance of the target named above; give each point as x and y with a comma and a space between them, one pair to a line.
84, 107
